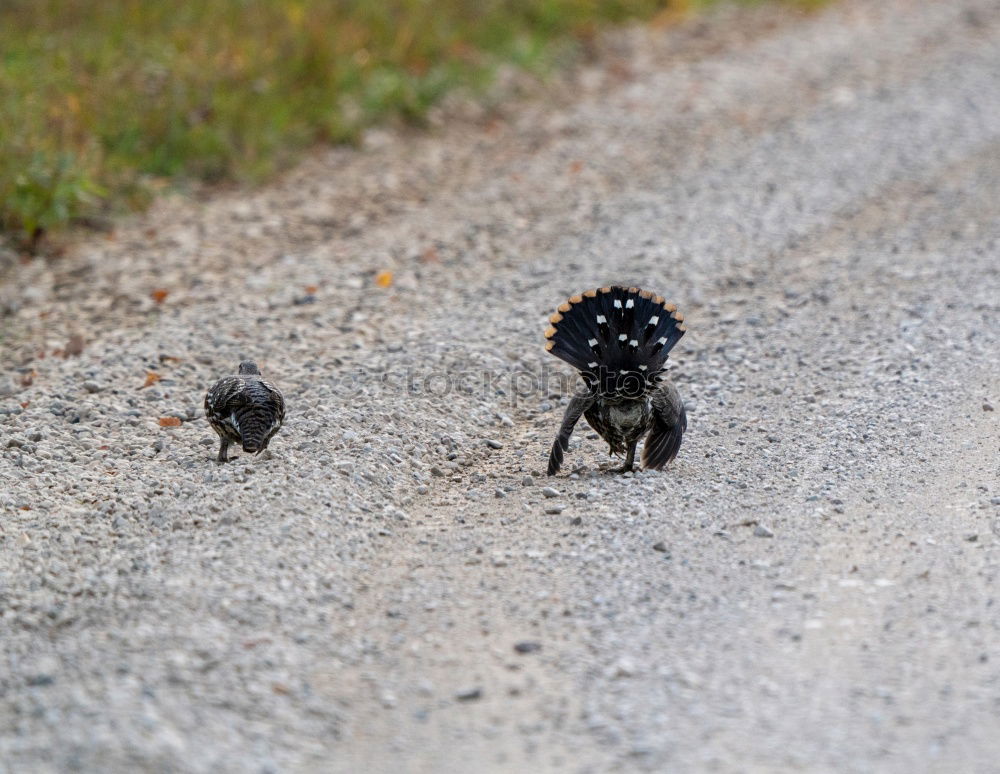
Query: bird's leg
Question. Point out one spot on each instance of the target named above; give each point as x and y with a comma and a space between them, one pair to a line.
629, 459
223, 448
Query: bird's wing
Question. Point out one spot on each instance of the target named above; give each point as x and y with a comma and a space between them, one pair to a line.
225, 393
669, 425
577, 405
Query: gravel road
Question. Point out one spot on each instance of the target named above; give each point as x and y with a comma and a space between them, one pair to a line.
811, 586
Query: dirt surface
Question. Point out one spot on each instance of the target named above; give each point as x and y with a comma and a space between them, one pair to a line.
811, 586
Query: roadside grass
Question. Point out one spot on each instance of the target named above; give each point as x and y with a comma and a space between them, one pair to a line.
105, 101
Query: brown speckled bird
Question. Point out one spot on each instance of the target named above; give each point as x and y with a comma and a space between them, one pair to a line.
618, 339
244, 409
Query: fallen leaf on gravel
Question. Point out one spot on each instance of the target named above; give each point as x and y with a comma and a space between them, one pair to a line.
151, 378
27, 379
170, 422
575, 167
430, 255
311, 289
383, 279
159, 295
26, 404
74, 346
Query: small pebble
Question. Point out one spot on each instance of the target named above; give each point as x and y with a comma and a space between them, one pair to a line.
493, 443
555, 508
499, 493
987, 406
550, 492
661, 547
527, 481
91, 386
763, 532
624, 667
469, 694
527, 646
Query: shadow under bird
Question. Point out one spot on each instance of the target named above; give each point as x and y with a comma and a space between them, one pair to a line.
244, 409
618, 338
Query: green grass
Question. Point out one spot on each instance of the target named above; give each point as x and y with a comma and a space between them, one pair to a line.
105, 100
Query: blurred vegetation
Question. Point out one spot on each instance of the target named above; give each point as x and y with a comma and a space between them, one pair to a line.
102, 99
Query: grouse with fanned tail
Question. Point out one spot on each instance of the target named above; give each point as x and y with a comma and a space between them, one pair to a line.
244, 409
618, 338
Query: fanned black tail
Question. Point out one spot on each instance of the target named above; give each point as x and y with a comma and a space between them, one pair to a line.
617, 337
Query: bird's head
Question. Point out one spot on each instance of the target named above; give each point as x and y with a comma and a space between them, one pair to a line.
249, 367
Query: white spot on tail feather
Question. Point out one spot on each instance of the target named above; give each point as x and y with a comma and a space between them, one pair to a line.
592, 342
654, 319
643, 368
633, 343
663, 340
592, 365
601, 319
630, 303
623, 337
